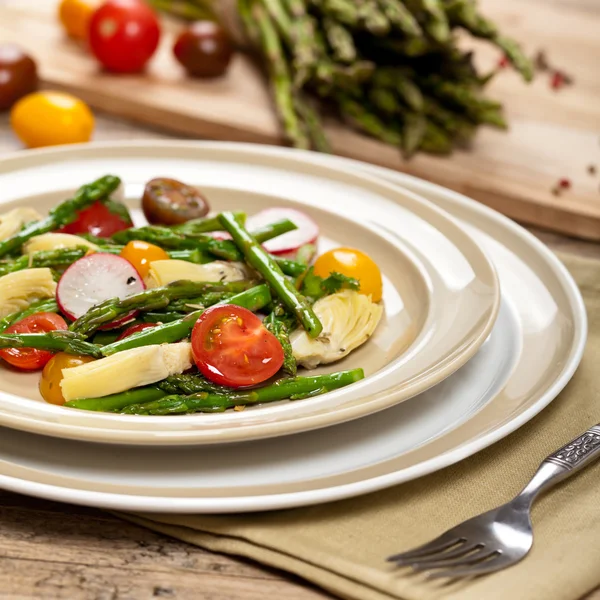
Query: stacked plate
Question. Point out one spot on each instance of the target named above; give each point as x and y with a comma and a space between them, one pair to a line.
483, 327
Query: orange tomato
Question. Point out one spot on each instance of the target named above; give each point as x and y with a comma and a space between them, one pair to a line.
52, 375
50, 118
352, 263
141, 254
75, 16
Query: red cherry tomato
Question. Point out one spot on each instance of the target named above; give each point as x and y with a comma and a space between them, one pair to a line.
30, 359
123, 35
135, 329
97, 220
232, 347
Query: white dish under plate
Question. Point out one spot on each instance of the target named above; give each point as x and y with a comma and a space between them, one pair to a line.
441, 293
532, 352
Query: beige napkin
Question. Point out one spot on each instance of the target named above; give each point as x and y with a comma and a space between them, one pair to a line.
341, 546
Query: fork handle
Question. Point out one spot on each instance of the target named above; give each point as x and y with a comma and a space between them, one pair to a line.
572, 457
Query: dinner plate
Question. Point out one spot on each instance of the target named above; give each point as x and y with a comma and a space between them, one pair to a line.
532, 352
441, 294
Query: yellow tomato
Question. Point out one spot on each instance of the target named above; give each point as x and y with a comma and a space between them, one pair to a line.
52, 375
141, 254
75, 16
50, 118
352, 263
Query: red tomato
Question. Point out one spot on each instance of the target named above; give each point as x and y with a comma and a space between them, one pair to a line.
123, 35
135, 329
232, 347
30, 359
97, 220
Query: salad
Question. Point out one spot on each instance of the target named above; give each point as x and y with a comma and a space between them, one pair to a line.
190, 313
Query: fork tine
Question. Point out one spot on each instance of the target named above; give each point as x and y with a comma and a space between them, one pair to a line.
489, 566
460, 561
439, 544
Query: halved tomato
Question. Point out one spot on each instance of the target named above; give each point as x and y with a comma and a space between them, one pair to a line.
30, 359
99, 220
232, 347
135, 329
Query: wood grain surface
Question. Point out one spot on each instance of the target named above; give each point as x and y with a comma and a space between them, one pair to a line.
553, 134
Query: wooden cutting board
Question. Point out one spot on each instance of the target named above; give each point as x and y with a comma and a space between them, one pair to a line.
553, 135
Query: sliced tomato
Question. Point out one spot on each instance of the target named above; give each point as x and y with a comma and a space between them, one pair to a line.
232, 347
135, 329
98, 220
31, 359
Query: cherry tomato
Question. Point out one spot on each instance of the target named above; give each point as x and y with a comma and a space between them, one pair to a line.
123, 35
18, 75
141, 254
75, 16
50, 118
204, 49
98, 220
31, 359
352, 263
52, 375
135, 329
232, 347
170, 202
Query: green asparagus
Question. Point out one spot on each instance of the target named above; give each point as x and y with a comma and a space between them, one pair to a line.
44, 258
292, 388
279, 328
270, 270
47, 305
54, 341
253, 299
63, 214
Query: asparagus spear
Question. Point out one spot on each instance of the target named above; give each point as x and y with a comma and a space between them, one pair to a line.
54, 341
190, 384
278, 327
292, 388
269, 269
64, 213
44, 258
47, 305
253, 299
201, 226
116, 402
148, 300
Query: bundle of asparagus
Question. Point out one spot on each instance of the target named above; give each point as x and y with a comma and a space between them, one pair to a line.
391, 68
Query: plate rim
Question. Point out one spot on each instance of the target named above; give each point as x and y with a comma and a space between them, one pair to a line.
379, 401
370, 485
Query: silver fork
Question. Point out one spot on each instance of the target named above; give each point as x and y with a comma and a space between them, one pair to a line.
502, 536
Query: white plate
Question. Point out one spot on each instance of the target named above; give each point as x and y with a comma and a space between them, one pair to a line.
531, 354
441, 293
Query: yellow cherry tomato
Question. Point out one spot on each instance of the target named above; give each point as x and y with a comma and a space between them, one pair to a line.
141, 254
52, 375
75, 16
50, 118
352, 263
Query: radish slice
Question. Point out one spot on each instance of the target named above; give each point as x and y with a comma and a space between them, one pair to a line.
307, 231
93, 279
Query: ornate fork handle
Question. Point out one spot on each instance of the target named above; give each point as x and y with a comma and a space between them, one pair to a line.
571, 458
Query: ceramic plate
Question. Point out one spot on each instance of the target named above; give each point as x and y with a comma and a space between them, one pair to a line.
530, 355
441, 293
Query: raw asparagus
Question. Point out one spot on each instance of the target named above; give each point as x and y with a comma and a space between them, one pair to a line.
292, 388
270, 270
64, 213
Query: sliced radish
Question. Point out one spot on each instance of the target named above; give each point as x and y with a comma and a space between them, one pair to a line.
307, 231
93, 279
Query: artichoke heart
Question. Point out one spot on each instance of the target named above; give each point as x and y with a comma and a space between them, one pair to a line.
13, 221
349, 319
19, 289
56, 241
163, 272
125, 370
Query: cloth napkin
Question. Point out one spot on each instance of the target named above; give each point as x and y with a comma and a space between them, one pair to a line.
341, 546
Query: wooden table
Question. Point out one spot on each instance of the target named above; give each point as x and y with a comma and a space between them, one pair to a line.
52, 550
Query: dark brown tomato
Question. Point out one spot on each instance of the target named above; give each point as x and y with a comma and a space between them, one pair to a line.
170, 202
18, 75
204, 49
